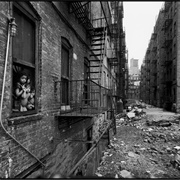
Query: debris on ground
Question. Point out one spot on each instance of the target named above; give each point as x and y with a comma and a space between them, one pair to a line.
145, 146
130, 115
125, 174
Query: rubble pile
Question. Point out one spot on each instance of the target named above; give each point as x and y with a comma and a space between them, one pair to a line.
134, 113
112, 163
144, 147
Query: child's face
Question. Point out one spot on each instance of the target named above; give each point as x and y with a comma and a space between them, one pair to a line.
23, 79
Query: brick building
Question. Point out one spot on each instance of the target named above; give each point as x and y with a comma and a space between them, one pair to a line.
59, 87
161, 63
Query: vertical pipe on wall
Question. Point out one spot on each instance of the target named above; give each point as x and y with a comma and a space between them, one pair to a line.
3, 88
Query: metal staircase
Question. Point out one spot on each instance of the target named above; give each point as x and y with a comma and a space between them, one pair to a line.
98, 52
95, 96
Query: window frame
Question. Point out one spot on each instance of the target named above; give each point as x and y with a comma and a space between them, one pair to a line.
30, 13
86, 92
67, 46
89, 137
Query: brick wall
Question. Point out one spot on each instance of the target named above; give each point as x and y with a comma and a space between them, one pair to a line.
89, 164
35, 132
160, 37
66, 154
178, 57
4, 140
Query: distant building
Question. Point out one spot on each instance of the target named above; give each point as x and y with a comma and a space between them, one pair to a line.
160, 72
134, 79
134, 66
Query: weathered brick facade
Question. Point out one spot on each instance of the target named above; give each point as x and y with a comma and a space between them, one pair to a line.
177, 53
164, 91
45, 133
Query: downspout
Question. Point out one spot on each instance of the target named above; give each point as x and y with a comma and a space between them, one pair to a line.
2, 96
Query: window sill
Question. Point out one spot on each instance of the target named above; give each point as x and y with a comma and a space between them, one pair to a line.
23, 119
65, 108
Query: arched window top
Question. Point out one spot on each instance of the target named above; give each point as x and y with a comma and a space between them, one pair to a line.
65, 42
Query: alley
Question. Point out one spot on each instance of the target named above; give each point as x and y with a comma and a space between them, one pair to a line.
68, 70
143, 148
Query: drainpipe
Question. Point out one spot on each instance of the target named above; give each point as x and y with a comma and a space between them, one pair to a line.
2, 96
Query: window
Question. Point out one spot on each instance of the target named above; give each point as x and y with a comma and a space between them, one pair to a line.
89, 138
86, 95
24, 50
107, 80
104, 78
65, 70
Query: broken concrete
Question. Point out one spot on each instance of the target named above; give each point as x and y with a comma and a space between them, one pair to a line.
140, 151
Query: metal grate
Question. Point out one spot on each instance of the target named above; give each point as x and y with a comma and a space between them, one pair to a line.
85, 98
82, 12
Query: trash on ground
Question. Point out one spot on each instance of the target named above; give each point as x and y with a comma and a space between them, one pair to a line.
125, 174
130, 114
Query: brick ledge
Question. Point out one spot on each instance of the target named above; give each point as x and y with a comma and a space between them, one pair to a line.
23, 119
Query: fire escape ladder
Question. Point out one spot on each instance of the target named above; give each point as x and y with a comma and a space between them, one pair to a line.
81, 12
98, 52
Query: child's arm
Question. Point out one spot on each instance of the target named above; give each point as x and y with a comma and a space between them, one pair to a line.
18, 92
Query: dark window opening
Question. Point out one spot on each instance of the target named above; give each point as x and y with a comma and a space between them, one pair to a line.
65, 71
65, 91
65, 63
86, 94
23, 63
89, 138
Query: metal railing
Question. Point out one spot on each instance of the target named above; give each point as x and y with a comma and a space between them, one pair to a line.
82, 97
99, 22
82, 12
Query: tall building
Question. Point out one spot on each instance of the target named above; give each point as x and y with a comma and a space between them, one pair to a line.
134, 66
160, 75
59, 83
133, 91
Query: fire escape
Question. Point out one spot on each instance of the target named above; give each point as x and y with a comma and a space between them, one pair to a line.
90, 96
168, 57
97, 29
120, 47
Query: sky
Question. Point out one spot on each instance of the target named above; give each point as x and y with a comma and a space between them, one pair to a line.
139, 21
